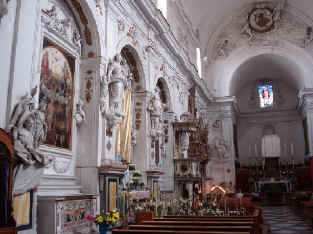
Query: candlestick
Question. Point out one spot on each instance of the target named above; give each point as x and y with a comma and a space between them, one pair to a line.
291, 149
256, 150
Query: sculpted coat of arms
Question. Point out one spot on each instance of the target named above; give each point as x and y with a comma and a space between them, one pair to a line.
261, 20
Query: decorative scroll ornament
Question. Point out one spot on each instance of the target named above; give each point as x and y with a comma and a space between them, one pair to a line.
57, 20
3, 8
80, 115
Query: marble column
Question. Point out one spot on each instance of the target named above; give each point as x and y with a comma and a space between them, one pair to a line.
305, 108
306, 111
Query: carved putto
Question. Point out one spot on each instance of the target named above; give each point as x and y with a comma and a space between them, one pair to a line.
58, 20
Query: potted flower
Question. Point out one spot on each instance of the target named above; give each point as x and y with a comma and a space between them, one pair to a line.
105, 220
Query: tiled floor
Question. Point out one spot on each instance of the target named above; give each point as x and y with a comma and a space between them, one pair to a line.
286, 220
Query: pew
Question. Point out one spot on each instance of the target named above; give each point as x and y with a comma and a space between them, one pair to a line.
234, 229
200, 223
135, 231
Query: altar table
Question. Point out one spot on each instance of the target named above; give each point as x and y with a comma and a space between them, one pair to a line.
259, 184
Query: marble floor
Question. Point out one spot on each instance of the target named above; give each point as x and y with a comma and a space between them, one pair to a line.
286, 220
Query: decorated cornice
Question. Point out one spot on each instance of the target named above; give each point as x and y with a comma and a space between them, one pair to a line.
187, 21
159, 23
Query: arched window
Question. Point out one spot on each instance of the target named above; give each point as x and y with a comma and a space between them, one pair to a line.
266, 94
162, 6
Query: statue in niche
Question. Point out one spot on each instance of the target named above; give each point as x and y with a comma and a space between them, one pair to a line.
156, 109
28, 128
119, 80
184, 144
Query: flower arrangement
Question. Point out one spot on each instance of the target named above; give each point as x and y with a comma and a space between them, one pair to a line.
109, 218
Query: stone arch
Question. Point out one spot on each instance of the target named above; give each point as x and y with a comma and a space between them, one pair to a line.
89, 28
165, 93
226, 78
133, 59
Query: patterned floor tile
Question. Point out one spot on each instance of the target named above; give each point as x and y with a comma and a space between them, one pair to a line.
286, 220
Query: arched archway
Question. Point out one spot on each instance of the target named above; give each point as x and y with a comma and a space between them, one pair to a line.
288, 57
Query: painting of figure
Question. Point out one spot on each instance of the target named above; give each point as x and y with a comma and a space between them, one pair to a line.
57, 89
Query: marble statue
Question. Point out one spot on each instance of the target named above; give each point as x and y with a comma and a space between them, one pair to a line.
156, 108
28, 128
117, 84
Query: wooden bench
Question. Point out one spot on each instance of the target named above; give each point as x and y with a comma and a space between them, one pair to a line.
200, 223
135, 231
234, 229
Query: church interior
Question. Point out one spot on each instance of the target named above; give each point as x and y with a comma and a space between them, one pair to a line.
156, 116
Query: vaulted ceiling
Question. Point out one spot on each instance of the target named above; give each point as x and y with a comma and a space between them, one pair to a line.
223, 75
207, 15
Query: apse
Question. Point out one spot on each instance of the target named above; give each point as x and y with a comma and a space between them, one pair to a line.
266, 67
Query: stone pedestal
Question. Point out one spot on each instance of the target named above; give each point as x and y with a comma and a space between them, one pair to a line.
110, 187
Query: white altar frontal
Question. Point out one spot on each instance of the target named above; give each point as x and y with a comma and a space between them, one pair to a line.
260, 184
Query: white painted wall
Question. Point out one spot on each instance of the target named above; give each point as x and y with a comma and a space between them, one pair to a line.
283, 117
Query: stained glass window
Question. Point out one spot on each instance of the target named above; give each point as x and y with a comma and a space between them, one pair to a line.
266, 95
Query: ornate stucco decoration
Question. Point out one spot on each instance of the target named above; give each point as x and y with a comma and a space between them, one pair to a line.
266, 24
99, 6
61, 165
3, 8
58, 20
112, 88
80, 115
120, 25
28, 128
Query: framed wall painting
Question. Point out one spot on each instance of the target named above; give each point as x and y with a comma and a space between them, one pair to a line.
57, 93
